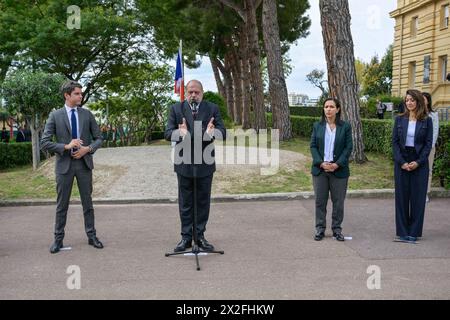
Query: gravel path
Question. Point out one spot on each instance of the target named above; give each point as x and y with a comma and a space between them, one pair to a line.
147, 171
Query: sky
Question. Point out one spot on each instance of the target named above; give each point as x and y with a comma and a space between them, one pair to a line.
372, 31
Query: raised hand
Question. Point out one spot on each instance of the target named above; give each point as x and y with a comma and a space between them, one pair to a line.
183, 128
211, 127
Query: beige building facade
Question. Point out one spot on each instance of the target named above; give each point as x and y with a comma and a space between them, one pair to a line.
422, 48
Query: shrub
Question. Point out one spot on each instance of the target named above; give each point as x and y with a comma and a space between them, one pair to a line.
305, 111
15, 154
217, 99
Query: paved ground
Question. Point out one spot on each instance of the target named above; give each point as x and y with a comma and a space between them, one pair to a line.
269, 254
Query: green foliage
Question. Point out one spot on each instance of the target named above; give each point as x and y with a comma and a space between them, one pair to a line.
441, 167
109, 38
377, 76
217, 99
33, 94
377, 137
15, 154
303, 126
137, 102
306, 111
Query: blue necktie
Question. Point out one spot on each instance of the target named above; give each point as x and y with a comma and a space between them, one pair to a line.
73, 121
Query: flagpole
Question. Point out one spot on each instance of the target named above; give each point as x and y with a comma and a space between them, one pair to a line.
182, 72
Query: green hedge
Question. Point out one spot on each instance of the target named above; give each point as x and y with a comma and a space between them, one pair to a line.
305, 111
15, 154
217, 99
377, 135
441, 167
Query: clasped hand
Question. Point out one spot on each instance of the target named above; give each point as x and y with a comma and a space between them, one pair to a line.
329, 166
80, 149
410, 166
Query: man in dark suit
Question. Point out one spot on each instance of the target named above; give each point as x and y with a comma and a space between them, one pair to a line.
77, 138
20, 137
193, 125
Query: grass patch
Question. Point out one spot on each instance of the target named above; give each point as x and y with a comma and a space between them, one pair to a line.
24, 183
283, 181
376, 173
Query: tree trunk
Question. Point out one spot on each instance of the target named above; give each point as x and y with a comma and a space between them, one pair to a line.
251, 28
245, 78
338, 44
229, 87
35, 145
228, 82
277, 84
219, 82
237, 81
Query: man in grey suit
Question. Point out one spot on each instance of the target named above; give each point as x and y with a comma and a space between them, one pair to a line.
77, 138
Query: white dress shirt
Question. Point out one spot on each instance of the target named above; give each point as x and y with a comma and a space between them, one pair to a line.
411, 133
330, 136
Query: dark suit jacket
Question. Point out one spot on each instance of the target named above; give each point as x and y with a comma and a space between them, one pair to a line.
343, 147
423, 139
206, 111
20, 137
58, 125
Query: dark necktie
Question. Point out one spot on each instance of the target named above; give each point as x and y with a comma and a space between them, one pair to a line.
194, 110
73, 121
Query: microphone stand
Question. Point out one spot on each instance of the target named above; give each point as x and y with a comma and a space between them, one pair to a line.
196, 250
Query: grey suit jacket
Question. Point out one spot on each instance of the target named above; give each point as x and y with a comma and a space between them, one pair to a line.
58, 125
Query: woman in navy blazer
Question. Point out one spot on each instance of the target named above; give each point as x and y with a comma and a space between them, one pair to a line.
331, 147
412, 139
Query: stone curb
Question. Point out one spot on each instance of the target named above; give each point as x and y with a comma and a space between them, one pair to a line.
352, 194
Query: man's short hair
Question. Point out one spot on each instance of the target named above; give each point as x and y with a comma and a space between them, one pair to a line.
195, 81
69, 86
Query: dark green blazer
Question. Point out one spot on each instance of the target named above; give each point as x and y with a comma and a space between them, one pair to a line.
343, 147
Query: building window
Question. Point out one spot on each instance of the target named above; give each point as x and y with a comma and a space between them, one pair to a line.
426, 69
414, 26
445, 16
412, 75
443, 61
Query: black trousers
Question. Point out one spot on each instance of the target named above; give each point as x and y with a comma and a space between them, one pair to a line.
410, 195
186, 204
64, 183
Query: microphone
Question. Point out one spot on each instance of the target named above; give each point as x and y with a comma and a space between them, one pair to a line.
194, 107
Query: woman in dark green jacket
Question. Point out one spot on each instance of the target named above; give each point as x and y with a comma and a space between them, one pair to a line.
331, 146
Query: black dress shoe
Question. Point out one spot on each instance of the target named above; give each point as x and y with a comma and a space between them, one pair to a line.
56, 246
205, 245
183, 245
95, 243
319, 236
338, 236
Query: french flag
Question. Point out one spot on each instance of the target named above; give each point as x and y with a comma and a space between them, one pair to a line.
179, 76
